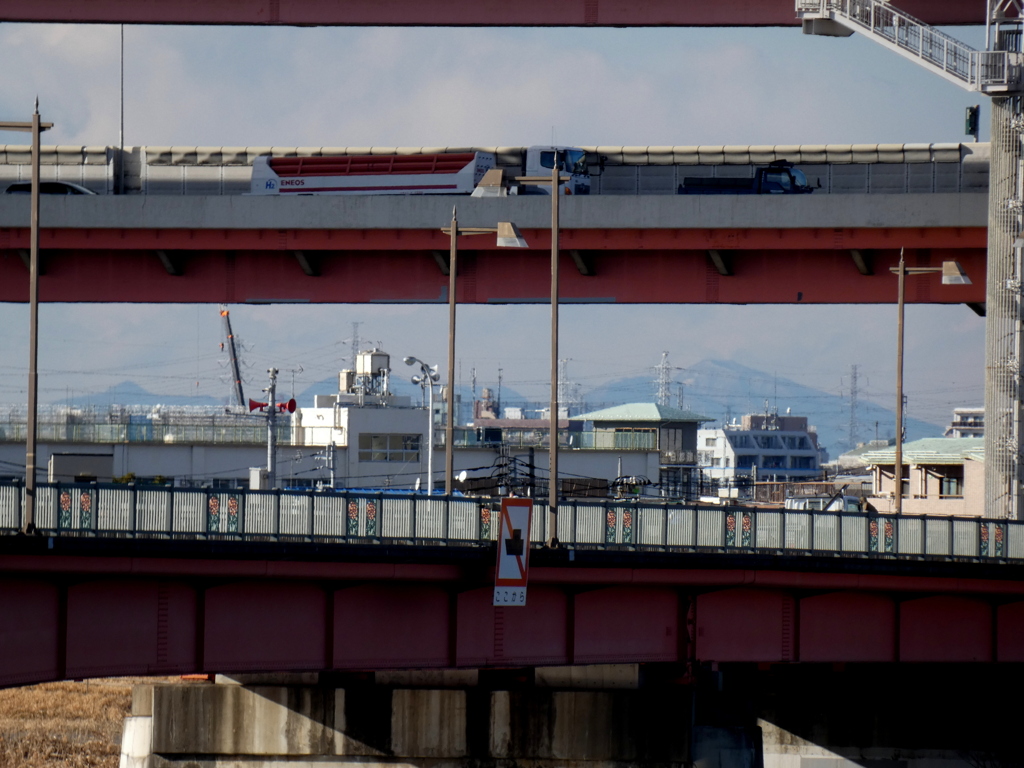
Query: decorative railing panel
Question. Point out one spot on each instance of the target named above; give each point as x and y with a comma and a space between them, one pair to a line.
106, 510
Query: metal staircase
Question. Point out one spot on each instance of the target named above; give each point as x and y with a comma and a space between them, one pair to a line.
996, 72
992, 71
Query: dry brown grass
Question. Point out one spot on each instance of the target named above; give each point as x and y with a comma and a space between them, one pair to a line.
73, 724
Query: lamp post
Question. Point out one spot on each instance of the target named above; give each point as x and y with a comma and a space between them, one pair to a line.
952, 274
555, 181
427, 377
509, 236
36, 127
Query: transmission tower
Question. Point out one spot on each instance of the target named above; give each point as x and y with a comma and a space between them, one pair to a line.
664, 373
853, 407
563, 382
355, 344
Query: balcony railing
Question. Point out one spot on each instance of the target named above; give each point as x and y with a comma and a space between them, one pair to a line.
406, 519
111, 434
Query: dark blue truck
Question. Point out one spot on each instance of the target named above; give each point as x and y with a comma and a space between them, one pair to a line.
778, 178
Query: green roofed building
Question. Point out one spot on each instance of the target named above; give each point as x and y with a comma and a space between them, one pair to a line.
941, 476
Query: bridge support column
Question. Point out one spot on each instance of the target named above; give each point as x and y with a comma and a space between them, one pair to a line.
373, 726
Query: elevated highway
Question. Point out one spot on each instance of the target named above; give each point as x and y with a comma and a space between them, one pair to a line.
629, 249
533, 13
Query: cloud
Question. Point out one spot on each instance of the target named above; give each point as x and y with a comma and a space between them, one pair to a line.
477, 86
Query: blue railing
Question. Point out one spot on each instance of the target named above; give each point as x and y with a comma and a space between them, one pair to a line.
112, 510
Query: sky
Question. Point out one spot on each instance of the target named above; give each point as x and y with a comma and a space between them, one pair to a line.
238, 86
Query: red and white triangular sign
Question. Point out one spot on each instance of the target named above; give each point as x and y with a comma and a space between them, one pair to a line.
513, 552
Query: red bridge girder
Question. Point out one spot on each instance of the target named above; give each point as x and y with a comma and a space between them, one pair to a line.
690, 266
529, 13
74, 617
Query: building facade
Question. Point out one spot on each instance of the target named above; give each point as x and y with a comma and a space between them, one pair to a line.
765, 447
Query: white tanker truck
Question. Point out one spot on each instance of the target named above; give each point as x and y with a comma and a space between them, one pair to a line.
446, 173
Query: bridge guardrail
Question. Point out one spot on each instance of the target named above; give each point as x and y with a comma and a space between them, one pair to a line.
92, 509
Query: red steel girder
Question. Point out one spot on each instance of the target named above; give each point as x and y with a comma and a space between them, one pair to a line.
539, 239
791, 275
496, 13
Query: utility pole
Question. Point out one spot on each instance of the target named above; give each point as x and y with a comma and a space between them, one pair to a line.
271, 431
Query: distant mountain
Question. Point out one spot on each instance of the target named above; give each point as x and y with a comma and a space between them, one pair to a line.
130, 393
722, 389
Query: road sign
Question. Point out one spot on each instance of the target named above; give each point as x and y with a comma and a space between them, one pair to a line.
513, 552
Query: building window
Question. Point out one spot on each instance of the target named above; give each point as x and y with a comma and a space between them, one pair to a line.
745, 462
401, 448
709, 442
953, 482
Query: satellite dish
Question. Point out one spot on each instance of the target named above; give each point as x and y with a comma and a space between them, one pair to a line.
461, 477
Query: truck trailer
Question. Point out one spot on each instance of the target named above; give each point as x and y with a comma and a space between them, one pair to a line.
778, 178
444, 173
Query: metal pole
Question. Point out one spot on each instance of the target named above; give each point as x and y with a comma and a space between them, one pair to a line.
33, 334
553, 441
898, 466
449, 427
120, 160
271, 431
430, 431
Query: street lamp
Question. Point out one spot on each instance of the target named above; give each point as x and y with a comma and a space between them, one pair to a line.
952, 274
555, 181
509, 236
427, 378
36, 127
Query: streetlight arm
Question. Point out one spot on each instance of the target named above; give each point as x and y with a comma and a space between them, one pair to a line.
23, 127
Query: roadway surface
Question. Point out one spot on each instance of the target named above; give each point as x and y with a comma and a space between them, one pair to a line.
616, 249
529, 13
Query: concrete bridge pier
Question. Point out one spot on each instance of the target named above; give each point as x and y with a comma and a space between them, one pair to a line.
428, 720
616, 716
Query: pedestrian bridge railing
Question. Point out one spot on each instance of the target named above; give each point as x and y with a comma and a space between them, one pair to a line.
114, 510
987, 71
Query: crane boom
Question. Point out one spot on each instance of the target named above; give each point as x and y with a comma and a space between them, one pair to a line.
236, 376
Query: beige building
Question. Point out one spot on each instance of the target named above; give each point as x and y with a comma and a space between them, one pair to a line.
941, 476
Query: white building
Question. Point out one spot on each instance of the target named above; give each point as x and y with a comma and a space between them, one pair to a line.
967, 422
763, 447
